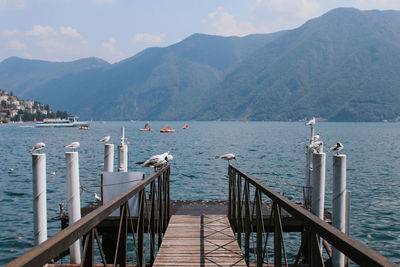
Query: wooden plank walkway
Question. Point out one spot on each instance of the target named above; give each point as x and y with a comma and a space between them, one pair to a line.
205, 240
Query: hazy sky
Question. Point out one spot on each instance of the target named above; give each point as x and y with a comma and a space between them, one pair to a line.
65, 30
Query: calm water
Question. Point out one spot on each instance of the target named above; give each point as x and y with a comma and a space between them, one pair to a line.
272, 151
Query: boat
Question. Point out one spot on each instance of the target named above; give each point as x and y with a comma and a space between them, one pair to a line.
57, 122
84, 128
185, 127
146, 128
167, 129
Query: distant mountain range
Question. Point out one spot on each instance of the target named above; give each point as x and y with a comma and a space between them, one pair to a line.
342, 66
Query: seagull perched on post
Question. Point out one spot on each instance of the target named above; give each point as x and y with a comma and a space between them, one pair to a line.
98, 199
227, 157
37, 147
73, 146
105, 139
316, 137
157, 160
311, 122
315, 146
339, 146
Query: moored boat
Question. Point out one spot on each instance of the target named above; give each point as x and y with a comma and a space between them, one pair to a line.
167, 129
185, 127
57, 122
147, 128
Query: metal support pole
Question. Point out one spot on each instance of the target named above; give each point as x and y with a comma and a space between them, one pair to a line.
39, 198
122, 153
74, 201
108, 157
307, 193
338, 203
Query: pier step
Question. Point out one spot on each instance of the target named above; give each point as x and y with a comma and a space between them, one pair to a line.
205, 240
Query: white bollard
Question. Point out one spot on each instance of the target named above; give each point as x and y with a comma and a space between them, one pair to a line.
73, 199
307, 191
318, 184
109, 157
39, 198
338, 203
122, 153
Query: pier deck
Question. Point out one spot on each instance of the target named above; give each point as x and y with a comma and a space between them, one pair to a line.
205, 240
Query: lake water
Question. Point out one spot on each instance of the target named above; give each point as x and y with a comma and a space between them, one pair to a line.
271, 151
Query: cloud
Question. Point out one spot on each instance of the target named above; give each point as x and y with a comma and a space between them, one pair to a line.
377, 4
13, 4
223, 23
16, 45
294, 8
99, 2
68, 31
8, 32
110, 47
149, 39
39, 30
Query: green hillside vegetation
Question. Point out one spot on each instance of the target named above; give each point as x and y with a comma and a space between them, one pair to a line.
342, 66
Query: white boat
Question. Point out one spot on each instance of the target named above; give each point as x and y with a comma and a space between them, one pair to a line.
57, 122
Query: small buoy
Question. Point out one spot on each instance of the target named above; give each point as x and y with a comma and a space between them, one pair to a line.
53, 173
19, 237
11, 169
369, 236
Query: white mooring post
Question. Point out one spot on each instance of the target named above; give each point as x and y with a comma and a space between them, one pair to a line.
307, 191
39, 198
74, 201
339, 203
109, 157
318, 184
122, 153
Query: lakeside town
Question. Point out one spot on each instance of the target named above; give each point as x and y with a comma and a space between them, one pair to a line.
15, 109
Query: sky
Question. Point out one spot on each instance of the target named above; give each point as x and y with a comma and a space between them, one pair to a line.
113, 30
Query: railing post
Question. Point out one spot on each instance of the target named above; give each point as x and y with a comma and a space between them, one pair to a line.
88, 250
239, 210
234, 200
140, 231
260, 258
248, 222
230, 192
121, 254
277, 236
152, 224
160, 210
165, 197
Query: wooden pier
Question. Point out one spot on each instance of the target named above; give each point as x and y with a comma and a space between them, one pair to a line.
201, 234
206, 240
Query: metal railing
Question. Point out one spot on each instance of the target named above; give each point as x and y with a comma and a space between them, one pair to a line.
247, 203
153, 214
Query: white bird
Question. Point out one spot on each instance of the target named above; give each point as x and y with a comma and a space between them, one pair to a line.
73, 146
316, 137
105, 139
227, 157
157, 160
11, 169
311, 122
98, 199
315, 146
339, 146
37, 147
53, 173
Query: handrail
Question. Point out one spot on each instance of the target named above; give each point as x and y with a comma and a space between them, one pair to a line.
352, 248
50, 249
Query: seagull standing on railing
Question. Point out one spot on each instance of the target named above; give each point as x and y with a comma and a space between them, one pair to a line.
311, 122
37, 147
73, 146
339, 146
227, 157
105, 139
157, 160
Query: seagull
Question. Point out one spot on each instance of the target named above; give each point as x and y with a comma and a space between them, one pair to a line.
53, 173
336, 148
37, 147
316, 137
105, 139
73, 146
156, 160
311, 122
227, 157
98, 199
315, 146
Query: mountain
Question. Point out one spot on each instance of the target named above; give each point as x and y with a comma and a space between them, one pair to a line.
22, 75
342, 66
158, 83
